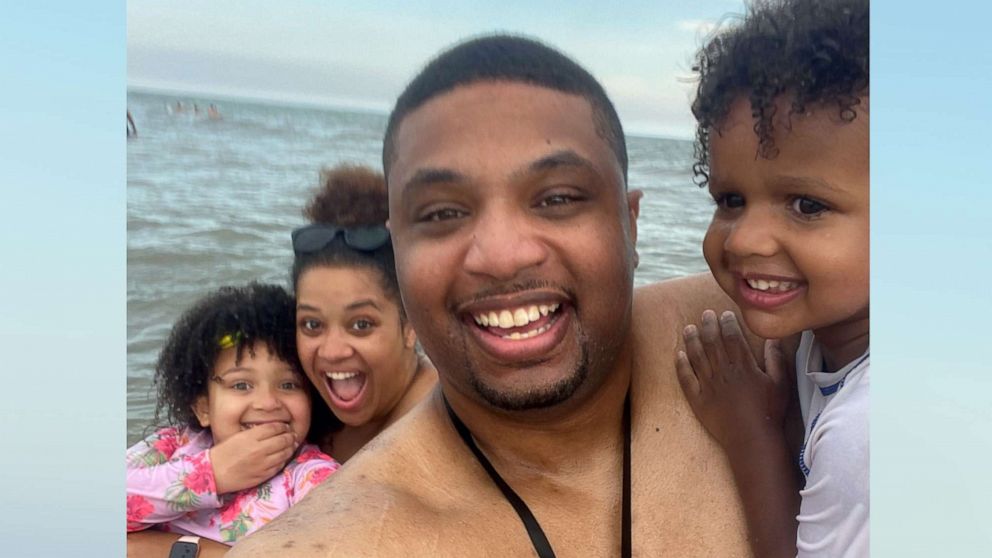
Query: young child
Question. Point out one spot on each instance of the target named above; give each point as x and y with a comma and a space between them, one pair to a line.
782, 144
230, 382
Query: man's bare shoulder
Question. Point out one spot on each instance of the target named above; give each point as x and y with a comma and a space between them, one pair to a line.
369, 507
680, 470
687, 296
663, 309
340, 518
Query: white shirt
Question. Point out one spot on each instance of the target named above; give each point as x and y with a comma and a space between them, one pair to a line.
833, 516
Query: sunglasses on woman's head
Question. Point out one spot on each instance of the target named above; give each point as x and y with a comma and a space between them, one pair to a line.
315, 237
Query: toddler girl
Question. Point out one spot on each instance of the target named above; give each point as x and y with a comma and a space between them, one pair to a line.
230, 383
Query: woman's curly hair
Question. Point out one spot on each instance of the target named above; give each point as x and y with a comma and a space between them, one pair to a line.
351, 196
246, 316
815, 51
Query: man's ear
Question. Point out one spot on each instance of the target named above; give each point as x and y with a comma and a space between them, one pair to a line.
201, 408
633, 212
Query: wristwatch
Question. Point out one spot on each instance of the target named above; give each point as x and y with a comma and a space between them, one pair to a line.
187, 546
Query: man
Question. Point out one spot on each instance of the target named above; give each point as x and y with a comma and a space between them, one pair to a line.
515, 248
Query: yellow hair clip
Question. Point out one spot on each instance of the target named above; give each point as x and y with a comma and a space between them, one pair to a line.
229, 340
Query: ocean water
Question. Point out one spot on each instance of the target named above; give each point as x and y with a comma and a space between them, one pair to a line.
212, 202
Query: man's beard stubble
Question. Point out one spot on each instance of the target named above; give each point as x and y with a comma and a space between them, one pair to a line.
536, 398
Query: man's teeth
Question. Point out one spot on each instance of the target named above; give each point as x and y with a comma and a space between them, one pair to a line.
506, 319
340, 375
516, 335
773, 286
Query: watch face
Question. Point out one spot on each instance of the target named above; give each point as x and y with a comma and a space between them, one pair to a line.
182, 549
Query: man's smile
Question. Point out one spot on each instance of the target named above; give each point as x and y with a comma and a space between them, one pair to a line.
522, 327
519, 323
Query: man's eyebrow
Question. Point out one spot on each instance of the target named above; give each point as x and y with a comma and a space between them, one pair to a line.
427, 177
563, 158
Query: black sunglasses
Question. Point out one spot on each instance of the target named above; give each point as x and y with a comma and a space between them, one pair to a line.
313, 238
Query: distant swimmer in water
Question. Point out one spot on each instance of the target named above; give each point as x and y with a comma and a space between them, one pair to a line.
178, 108
213, 113
132, 130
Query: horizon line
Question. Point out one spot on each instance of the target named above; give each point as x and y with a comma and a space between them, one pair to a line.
324, 103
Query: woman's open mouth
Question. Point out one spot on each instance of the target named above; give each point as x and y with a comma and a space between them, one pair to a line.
346, 388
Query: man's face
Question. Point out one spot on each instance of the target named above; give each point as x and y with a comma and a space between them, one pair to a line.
514, 242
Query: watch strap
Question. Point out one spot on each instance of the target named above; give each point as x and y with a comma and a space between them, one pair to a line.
187, 546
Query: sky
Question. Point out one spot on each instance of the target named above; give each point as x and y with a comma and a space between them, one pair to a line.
362, 54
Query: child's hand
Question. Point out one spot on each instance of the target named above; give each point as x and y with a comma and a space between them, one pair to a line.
727, 390
252, 456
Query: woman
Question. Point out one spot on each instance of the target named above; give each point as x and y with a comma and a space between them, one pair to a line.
354, 341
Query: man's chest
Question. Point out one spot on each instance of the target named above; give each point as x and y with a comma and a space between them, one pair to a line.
685, 500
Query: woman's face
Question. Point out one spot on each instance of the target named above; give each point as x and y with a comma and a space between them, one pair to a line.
352, 343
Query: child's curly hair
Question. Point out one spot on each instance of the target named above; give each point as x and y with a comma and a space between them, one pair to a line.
815, 51
242, 316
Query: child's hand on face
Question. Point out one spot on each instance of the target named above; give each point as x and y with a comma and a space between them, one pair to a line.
730, 394
252, 456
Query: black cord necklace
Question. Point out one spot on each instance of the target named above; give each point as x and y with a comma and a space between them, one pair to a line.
534, 531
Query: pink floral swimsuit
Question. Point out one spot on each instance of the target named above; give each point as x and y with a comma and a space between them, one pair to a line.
170, 484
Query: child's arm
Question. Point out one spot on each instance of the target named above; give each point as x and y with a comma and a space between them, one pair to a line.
310, 469
743, 407
157, 544
161, 486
